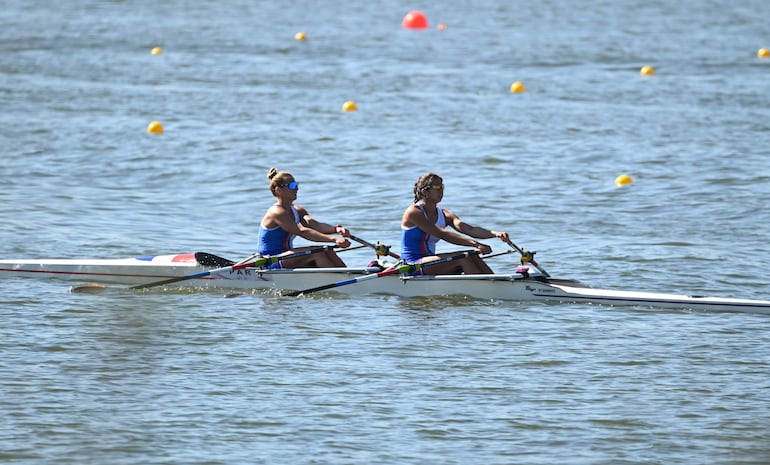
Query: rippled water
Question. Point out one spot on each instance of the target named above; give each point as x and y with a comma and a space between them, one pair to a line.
192, 377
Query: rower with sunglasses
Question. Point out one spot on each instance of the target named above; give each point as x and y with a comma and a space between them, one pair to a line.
285, 220
424, 223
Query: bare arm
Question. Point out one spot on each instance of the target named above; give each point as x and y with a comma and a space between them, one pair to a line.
474, 231
413, 217
279, 216
319, 226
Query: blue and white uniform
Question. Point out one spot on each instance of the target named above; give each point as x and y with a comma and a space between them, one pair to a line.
416, 243
274, 241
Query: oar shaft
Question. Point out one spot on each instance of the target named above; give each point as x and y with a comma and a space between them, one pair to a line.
400, 269
249, 262
249, 258
202, 274
351, 248
343, 283
497, 254
534, 263
373, 246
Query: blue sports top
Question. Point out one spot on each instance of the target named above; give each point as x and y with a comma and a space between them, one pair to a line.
274, 241
416, 243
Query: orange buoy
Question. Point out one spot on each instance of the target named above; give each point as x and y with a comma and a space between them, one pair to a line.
415, 20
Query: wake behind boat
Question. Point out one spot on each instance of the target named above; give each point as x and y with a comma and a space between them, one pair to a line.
203, 270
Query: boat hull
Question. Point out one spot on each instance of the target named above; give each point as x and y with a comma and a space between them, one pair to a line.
128, 271
511, 287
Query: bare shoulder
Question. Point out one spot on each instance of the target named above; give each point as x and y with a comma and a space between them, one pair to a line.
273, 213
276, 210
412, 210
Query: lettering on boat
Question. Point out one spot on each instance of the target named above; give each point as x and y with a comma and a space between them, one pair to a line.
244, 274
540, 289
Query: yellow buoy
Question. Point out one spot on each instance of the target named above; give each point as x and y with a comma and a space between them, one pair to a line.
349, 106
763, 53
517, 88
647, 71
623, 180
300, 36
155, 128
156, 51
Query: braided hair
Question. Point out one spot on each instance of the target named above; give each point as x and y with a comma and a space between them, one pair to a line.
425, 182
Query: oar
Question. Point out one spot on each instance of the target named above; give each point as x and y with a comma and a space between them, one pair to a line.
399, 269
93, 288
351, 248
237, 294
379, 248
249, 262
528, 257
497, 254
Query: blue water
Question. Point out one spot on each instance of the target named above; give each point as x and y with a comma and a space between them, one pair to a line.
180, 377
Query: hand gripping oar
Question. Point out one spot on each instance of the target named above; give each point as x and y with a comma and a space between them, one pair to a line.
250, 262
399, 269
528, 257
380, 249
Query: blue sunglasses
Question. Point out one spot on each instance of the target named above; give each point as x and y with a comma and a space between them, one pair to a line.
294, 185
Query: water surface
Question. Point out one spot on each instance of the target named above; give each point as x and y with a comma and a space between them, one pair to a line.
180, 377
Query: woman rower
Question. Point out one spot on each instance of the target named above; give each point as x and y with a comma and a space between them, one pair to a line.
424, 223
285, 220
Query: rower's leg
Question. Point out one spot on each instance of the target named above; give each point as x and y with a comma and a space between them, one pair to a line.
327, 259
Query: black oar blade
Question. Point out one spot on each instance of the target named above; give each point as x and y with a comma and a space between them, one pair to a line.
211, 260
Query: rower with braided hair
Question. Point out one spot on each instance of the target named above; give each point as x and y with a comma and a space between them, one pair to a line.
424, 223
